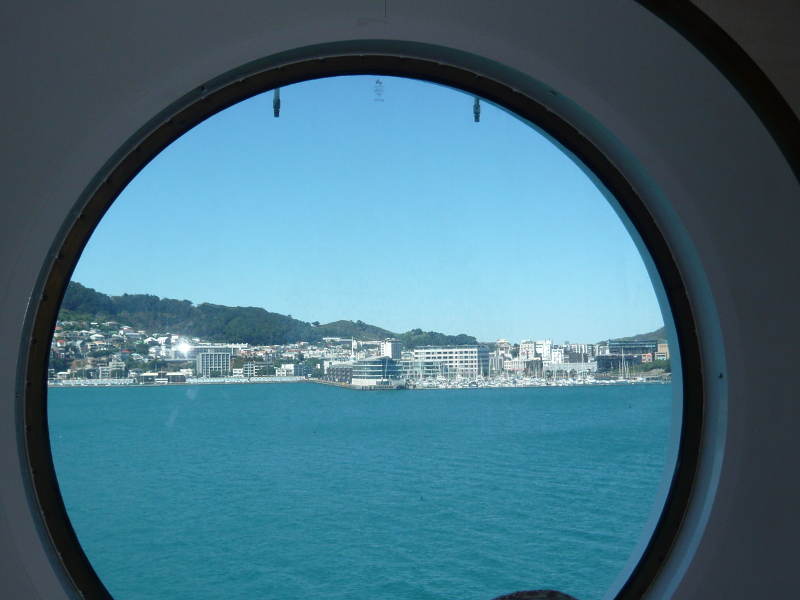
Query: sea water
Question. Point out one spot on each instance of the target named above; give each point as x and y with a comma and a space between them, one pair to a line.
301, 490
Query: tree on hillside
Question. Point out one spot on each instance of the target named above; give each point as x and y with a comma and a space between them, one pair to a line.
81, 299
217, 323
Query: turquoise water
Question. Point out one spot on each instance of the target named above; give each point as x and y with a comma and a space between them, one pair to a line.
300, 490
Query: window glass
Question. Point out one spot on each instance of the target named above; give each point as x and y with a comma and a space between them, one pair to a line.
385, 345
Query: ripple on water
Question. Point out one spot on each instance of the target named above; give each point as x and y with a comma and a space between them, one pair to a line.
297, 490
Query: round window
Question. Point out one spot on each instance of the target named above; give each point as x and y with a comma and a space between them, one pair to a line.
362, 336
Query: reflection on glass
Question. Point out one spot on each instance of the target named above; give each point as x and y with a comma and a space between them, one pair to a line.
383, 289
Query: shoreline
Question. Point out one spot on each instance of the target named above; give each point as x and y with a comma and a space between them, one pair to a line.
432, 385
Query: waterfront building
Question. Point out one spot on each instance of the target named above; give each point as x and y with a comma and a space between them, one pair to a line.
504, 348
302, 370
424, 369
633, 347
662, 353
496, 362
392, 348
517, 365
576, 357
114, 367
527, 350
460, 361
327, 363
251, 369
574, 367
287, 370
612, 362
587, 349
380, 372
213, 360
192, 352
339, 372
543, 348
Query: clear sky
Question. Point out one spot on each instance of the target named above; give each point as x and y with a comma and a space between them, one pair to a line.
403, 213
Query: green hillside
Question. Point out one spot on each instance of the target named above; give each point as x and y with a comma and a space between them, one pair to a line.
217, 323
658, 334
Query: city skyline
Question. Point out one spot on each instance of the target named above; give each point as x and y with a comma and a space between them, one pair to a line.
402, 213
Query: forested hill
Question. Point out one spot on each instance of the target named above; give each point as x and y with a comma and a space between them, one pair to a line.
217, 323
658, 334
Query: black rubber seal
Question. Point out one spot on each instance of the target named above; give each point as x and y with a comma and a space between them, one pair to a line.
213, 98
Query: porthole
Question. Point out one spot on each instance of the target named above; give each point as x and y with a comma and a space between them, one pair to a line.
213, 100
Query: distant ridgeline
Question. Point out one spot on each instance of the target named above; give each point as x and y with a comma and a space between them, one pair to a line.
217, 323
658, 334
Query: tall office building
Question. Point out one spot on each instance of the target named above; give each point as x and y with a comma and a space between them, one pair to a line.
214, 360
392, 348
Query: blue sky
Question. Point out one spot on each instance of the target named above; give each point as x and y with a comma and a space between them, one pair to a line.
402, 213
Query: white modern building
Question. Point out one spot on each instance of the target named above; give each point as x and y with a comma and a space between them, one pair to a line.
381, 372
217, 360
286, 370
459, 361
587, 349
543, 348
392, 348
191, 352
424, 369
